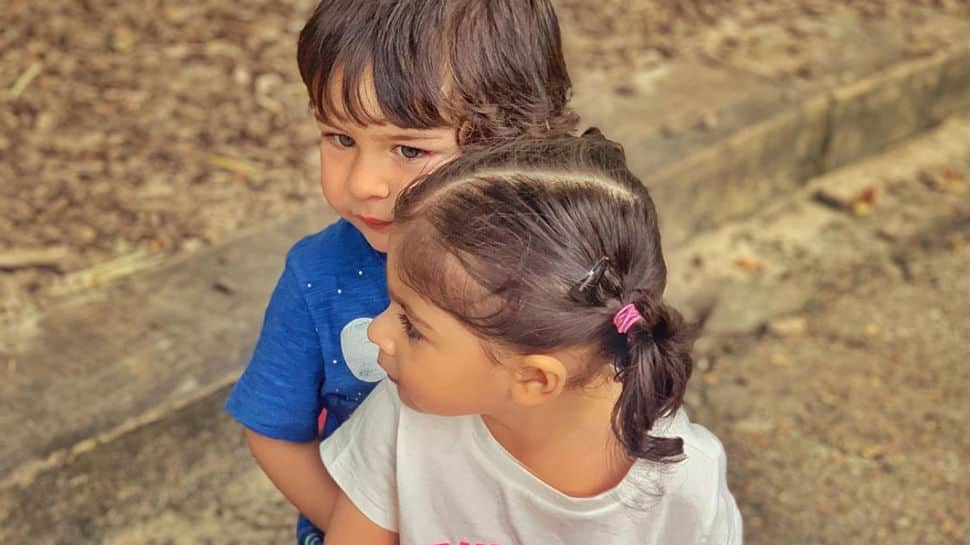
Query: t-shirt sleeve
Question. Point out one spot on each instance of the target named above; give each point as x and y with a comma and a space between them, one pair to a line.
361, 456
278, 393
725, 526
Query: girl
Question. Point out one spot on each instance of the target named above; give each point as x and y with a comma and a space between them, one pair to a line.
535, 375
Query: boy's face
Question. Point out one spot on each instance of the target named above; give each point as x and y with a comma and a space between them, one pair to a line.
363, 168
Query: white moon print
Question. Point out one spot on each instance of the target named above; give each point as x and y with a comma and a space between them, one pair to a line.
359, 353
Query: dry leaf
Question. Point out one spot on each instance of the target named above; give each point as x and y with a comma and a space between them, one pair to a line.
944, 179
123, 39
781, 360
24, 258
24, 80
787, 326
234, 165
750, 264
864, 201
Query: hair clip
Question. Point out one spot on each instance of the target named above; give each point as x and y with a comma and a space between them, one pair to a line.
582, 290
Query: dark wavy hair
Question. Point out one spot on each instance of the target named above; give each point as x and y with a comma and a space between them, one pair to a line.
494, 69
535, 245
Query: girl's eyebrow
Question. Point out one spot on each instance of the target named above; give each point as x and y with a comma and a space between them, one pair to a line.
410, 313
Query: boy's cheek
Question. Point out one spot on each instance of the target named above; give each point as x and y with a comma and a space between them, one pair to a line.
446, 158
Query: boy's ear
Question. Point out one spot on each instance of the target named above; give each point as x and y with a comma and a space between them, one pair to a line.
537, 379
461, 135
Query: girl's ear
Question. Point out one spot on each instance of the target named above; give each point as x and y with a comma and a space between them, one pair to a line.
538, 379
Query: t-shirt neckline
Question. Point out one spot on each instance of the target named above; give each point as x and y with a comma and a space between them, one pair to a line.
508, 467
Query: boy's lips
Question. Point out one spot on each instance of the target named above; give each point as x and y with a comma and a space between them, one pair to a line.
374, 223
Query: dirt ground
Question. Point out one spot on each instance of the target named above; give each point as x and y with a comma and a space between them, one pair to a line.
134, 131
854, 431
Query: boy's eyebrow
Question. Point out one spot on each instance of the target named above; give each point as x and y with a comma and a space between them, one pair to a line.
328, 122
410, 137
397, 136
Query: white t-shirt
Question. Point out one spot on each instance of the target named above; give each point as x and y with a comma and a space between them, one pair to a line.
446, 481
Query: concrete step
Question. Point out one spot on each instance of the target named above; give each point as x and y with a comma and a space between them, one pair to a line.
723, 130
184, 479
94, 367
797, 247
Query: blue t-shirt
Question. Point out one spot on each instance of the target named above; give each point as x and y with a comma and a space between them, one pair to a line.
313, 353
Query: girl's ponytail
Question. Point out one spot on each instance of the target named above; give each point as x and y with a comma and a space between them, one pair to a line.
654, 369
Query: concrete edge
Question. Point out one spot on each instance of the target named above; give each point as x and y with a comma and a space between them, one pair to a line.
162, 355
824, 131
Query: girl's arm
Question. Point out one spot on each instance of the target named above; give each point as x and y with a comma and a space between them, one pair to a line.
348, 526
298, 472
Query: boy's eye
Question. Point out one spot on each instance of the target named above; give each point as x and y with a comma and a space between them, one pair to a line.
409, 328
341, 140
410, 153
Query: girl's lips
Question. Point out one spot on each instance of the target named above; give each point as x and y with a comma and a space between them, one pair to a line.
384, 367
374, 223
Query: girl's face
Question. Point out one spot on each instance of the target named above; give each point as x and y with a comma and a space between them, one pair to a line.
439, 366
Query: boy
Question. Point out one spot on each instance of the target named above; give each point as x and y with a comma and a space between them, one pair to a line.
398, 87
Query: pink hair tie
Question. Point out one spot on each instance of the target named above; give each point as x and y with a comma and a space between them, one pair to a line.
626, 317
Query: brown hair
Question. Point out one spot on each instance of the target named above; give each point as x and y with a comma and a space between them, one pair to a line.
493, 69
525, 225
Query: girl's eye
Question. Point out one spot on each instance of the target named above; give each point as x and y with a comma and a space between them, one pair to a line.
409, 328
411, 153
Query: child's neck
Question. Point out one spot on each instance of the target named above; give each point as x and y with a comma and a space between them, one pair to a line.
568, 442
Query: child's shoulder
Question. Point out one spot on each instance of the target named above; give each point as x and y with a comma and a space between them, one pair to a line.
339, 245
703, 443
705, 460
339, 239
697, 439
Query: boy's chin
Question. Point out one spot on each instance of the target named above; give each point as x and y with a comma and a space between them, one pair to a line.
379, 241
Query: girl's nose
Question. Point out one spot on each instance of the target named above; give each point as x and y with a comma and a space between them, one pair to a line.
379, 334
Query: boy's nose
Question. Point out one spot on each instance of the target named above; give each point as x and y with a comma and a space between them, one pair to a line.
367, 181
